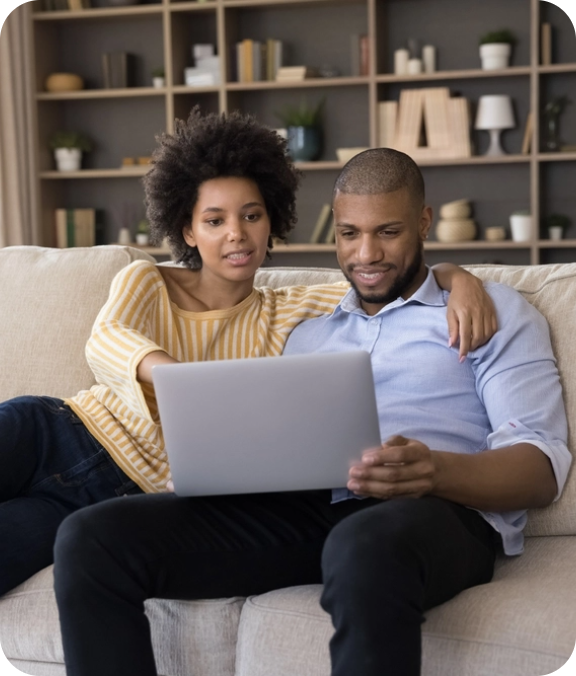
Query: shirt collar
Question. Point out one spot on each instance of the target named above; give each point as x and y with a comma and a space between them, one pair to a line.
429, 293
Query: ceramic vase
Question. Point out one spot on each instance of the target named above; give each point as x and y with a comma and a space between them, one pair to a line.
521, 227
304, 143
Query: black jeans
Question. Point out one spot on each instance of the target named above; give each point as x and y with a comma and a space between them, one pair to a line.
382, 563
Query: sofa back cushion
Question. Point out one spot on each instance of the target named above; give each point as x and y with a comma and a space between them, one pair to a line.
49, 299
552, 290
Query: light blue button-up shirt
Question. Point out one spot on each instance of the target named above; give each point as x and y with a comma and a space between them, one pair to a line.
506, 392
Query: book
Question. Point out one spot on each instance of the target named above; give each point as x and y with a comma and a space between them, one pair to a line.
528, 133
459, 127
321, 222
117, 69
409, 124
355, 54
330, 237
387, 115
364, 55
75, 227
294, 73
438, 132
546, 44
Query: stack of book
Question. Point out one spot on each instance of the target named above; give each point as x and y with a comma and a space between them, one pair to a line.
295, 73
256, 61
76, 227
324, 228
426, 124
117, 70
205, 73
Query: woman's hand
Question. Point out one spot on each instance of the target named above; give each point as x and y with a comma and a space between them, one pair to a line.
471, 314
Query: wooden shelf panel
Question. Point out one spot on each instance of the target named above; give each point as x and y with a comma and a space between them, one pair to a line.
96, 173
513, 71
128, 92
557, 244
432, 246
185, 89
279, 3
557, 157
99, 13
291, 84
558, 68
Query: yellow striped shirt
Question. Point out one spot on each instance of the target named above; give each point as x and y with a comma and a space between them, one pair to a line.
140, 318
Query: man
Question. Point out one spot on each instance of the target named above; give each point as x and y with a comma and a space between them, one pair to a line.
383, 566
435, 510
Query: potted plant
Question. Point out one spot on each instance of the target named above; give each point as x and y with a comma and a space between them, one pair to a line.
521, 226
143, 233
495, 49
158, 77
68, 147
304, 133
556, 225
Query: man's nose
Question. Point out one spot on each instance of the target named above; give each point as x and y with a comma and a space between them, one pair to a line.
370, 250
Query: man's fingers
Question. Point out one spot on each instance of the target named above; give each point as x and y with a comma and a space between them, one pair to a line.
465, 338
375, 489
453, 328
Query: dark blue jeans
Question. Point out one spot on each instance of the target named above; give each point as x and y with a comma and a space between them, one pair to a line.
50, 466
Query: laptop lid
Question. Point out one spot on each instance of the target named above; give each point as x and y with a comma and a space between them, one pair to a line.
266, 424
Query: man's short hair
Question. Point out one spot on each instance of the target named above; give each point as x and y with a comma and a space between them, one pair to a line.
381, 170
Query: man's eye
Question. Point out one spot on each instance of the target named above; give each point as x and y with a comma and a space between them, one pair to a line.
347, 234
389, 233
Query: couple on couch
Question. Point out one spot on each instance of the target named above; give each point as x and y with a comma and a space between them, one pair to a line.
472, 438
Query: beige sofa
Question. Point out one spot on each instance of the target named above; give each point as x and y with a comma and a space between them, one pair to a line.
523, 623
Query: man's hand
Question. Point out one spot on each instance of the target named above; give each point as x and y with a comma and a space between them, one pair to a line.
400, 468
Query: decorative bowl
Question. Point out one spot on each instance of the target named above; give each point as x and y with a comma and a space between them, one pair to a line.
458, 209
64, 82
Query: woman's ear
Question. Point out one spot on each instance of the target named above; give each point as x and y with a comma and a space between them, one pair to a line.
188, 235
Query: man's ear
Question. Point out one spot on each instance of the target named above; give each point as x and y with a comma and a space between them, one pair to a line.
188, 235
425, 222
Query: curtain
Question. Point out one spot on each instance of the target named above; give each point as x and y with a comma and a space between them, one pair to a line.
19, 199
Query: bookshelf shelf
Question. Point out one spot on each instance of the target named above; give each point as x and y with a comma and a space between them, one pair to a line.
123, 122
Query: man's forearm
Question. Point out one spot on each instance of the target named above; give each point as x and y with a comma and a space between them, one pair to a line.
499, 480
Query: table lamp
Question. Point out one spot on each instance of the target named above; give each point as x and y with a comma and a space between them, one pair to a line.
494, 114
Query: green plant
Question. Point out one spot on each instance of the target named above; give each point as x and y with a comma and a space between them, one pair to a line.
501, 36
302, 115
158, 72
558, 220
143, 227
522, 212
70, 139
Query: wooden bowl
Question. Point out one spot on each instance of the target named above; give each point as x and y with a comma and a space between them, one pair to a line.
459, 209
64, 82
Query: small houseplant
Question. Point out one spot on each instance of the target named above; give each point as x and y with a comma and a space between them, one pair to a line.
68, 147
303, 124
143, 233
556, 224
158, 77
495, 49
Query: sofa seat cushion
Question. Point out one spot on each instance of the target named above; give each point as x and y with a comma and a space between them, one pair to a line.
189, 637
52, 297
521, 624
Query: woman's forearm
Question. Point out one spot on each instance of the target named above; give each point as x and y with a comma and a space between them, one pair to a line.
144, 368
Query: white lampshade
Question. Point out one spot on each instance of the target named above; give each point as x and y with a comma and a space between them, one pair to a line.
494, 114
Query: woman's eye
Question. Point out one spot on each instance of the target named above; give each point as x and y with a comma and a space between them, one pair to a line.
252, 217
214, 221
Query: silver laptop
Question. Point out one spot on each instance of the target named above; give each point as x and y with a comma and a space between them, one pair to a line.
266, 424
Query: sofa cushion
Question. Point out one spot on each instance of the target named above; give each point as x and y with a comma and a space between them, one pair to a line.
52, 297
551, 289
189, 637
521, 624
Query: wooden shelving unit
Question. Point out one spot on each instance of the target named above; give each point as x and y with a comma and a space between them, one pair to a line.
124, 122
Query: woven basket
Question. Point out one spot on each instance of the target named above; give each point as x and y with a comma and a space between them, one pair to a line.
461, 230
460, 210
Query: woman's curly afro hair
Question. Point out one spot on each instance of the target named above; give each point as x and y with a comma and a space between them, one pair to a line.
214, 146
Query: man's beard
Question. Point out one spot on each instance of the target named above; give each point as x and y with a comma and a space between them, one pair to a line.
399, 286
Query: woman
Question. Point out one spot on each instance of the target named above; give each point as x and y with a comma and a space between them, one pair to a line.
219, 190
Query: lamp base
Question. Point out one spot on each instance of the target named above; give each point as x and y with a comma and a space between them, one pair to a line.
495, 148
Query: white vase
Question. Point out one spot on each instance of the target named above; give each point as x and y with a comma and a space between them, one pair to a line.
555, 232
68, 159
521, 227
495, 55
158, 82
